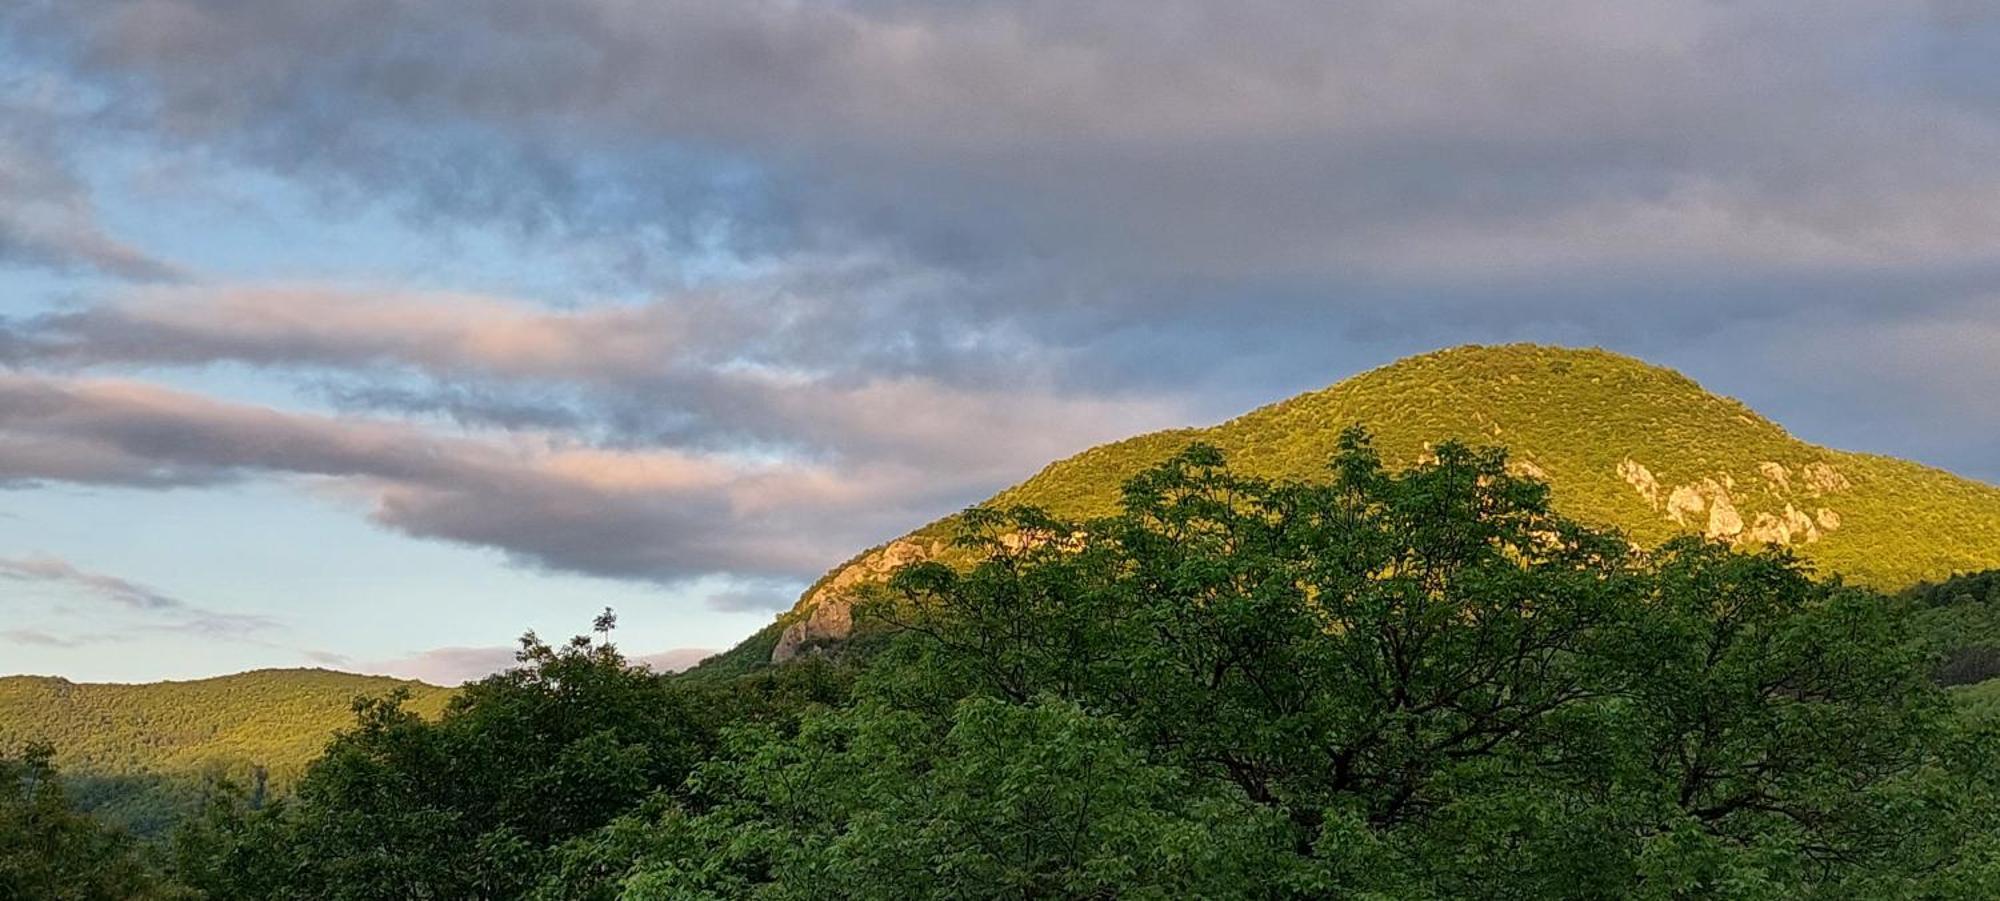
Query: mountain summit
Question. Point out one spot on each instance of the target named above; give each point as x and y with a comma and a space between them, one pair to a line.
1620, 442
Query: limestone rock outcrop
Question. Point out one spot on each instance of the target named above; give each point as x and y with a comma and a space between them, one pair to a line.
1641, 479
829, 609
1715, 505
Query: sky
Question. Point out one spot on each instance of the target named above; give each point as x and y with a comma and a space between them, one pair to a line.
369, 334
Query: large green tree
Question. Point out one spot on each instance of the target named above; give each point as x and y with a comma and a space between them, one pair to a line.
1433, 685
465, 806
1414, 684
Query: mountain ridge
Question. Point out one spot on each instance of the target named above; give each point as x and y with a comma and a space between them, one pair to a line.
1621, 442
275, 718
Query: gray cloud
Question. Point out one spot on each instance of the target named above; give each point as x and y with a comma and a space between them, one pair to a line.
47, 216
111, 588
162, 612
980, 236
768, 597
1286, 181
544, 499
1260, 139
41, 639
1921, 383
708, 370
445, 666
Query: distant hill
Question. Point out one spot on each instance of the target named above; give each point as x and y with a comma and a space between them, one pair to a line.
140, 748
1621, 443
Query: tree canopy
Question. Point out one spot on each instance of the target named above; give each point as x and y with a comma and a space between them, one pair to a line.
1413, 684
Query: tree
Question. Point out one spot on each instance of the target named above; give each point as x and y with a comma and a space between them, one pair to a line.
1417, 684
999, 800
50, 851
402, 807
1435, 662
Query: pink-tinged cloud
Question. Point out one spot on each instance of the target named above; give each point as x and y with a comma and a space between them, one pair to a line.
656, 514
646, 483
760, 365
458, 665
444, 666
306, 324
675, 660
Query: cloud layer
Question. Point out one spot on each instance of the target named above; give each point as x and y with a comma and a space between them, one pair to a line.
146, 609
808, 275
1193, 141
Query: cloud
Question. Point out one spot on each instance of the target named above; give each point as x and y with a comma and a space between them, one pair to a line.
47, 216
545, 499
42, 639
162, 612
1261, 139
445, 666
755, 597
458, 665
869, 261
794, 363
1925, 381
669, 439
675, 660
1242, 200
110, 588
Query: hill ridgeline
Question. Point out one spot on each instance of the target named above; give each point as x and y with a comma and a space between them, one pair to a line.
1620, 442
278, 718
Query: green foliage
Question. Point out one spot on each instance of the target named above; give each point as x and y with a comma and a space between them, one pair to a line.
747, 656
1981, 700
1434, 660
1571, 418
139, 754
1416, 684
1959, 620
401, 806
1386, 681
51, 852
996, 800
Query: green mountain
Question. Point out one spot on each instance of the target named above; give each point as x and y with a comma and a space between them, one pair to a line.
1620, 442
140, 750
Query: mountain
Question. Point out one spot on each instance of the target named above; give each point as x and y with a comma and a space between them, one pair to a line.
1620, 442
139, 750
277, 718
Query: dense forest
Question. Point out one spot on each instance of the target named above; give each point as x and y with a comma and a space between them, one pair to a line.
139, 755
1390, 683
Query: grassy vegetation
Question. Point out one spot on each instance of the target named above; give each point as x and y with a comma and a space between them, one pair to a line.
1567, 417
139, 752
1575, 415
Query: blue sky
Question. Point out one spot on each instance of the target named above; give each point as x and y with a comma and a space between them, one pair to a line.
371, 334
